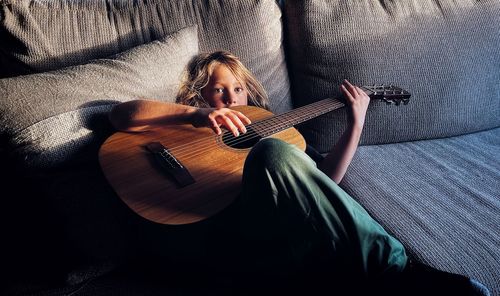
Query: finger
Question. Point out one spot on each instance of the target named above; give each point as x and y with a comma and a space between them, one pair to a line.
361, 92
236, 121
215, 126
228, 124
351, 87
347, 93
243, 118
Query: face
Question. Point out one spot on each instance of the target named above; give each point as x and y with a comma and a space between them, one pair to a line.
224, 90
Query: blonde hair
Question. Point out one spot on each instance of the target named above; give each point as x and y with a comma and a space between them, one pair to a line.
197, 75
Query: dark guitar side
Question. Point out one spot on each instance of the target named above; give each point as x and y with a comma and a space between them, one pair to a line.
216, 168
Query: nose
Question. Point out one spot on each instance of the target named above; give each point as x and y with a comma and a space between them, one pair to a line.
231, 99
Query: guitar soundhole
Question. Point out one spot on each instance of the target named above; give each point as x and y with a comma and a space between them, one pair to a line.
244, 141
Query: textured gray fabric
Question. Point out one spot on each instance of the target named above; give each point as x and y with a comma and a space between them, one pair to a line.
440, 198
38, 36
69, 138
152, 70
49, 117
446, 53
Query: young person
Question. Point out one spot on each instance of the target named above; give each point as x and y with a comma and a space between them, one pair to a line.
293, 218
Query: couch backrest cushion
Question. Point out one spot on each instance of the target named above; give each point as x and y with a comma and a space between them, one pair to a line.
444, 52
45, 35
52, 117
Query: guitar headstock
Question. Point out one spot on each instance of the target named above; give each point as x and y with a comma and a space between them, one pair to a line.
388, 93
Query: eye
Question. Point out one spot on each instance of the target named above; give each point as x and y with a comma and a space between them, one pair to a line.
238, 89
219, 90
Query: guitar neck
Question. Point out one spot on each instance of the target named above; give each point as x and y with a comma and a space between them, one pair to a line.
277, 123
387, 93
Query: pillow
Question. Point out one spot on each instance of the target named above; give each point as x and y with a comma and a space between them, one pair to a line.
445, 53
38, 36
52, 117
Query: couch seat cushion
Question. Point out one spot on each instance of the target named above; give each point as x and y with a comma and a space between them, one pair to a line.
440, 197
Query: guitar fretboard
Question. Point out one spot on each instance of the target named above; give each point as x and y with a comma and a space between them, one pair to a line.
277, 123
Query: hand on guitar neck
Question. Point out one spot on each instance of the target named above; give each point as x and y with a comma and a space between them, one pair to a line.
338, 160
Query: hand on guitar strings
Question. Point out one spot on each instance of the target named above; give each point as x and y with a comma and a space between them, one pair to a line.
215, 118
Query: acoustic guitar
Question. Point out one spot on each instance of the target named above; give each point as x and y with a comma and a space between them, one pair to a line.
180, 174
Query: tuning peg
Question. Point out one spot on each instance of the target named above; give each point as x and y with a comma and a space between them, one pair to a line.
388, 101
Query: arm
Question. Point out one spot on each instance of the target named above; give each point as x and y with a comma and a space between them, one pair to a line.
337, 161
142, 115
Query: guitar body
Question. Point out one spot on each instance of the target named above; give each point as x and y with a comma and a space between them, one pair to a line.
215, 167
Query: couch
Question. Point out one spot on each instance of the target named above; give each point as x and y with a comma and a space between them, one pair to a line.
428, 171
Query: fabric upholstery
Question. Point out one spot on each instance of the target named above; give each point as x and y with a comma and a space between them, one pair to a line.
53, 117
440, 198
445, 53
47, 35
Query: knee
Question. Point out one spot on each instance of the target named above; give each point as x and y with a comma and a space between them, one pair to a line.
271, 154
277, 156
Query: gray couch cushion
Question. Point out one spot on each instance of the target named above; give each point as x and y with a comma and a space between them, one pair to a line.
444, 52
44, 35
52, 117
440, 197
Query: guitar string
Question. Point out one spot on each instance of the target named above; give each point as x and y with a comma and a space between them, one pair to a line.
247, 136
244, 136
327, 102
241, 139
284, 121
252, 134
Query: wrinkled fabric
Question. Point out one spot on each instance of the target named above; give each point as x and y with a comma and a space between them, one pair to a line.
294, 216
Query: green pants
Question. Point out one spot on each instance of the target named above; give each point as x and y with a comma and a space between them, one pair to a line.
293, 217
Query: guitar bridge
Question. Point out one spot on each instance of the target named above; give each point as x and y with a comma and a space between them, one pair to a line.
170, 164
